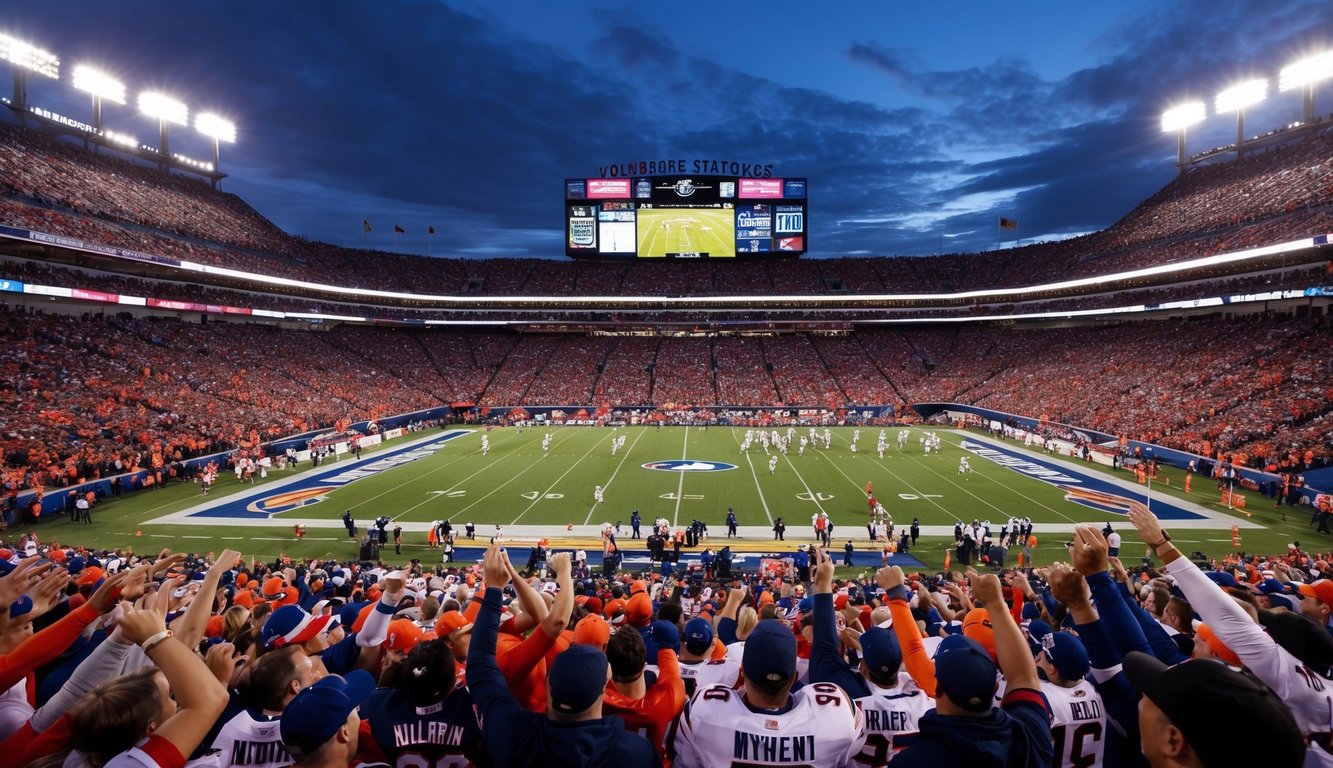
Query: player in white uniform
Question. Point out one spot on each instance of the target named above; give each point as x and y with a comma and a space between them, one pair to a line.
597, 494
763, 723
773, 465
485, 445
963, 466
1078, 716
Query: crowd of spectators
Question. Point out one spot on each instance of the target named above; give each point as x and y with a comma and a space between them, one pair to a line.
81, 394
112, 658
1268, 196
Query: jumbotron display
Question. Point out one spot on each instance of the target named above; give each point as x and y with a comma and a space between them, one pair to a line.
685, 217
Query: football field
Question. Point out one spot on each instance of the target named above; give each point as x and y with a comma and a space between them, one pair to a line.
678, 473
687, 230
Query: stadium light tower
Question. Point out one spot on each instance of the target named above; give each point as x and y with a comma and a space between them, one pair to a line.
166, 110
100, 86
218, 130
1177, 119
1304, 74
1237, 98
26, 58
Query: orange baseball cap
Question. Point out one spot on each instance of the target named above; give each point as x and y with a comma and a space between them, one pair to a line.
612, 609
403, 635
90, 575
274, 588
450, 623
977, 626
1321, 590
592, 630
637, 587
639, 610
1216, 645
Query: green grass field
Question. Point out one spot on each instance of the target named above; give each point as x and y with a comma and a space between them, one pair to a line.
687, 230
535, 493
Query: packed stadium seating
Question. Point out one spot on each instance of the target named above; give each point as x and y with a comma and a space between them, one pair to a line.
81, 393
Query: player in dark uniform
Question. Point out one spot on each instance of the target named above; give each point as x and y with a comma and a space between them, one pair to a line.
426, 717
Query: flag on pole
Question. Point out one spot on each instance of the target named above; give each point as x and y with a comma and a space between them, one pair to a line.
365, 224
430, 230
398, 230
1008, 223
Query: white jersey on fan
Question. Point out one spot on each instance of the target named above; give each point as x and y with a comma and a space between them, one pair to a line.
250, 739
891, 716
1078, 724
705, 674
823, 729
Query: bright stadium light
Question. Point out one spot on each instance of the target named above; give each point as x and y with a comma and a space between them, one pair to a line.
29, 57
100, 86
213, 126
163, 108
166, 110
1179, 118
218, 130
1242, 95
1236, 99
25, 58
1304, 74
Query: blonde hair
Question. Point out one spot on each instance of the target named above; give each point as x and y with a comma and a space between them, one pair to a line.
233, 622
745, 622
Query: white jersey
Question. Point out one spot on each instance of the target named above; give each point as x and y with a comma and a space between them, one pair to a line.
823, 729
1078, 724
891, 716
705, 674
252, 740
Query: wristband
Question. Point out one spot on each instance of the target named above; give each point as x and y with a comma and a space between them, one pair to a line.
1166, 538
156, 640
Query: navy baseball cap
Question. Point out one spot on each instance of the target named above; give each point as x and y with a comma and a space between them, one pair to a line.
881, 652
698, 635
577, 678
1221, 578
965, 673
769, 660
319, 710
1067, 653
1201, 698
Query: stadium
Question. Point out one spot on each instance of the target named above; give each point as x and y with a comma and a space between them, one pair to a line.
183, 374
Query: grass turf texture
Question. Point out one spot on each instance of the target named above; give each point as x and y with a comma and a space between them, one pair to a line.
518, 483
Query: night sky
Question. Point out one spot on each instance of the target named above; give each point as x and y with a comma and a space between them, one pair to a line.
918, 125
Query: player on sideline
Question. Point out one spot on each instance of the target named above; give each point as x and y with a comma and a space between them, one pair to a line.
764, 722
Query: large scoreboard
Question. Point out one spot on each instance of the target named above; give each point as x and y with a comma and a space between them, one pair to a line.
685, 217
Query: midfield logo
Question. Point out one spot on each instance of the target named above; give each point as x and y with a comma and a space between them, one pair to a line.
689, 465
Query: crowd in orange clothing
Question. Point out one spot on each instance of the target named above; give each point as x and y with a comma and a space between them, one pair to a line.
80, 395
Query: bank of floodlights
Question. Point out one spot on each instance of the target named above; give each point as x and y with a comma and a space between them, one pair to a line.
25, 58
217, 129
100, 86
29, 57
1305, 74
1236, 99
165, 110
1177, 119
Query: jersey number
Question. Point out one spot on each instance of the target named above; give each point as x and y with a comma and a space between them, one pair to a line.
827, 693
1077, 741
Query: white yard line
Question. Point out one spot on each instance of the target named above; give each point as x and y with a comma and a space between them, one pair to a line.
612, 479
542, 495
758, 488
680, 486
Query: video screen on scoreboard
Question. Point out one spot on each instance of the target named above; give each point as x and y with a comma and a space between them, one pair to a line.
680, 217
